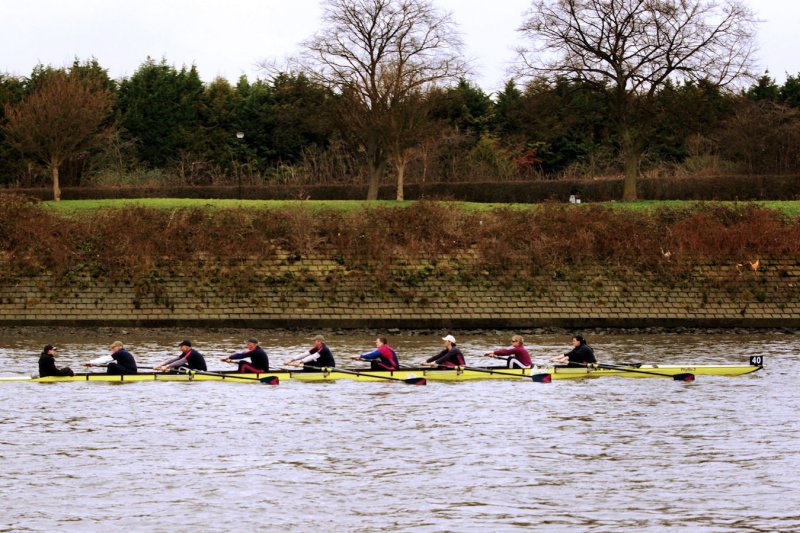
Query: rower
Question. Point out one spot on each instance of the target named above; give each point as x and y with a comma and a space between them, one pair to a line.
580, 355
449, 357
518, 354
47, 363
119, 363
189, 358
383, 357
318, 356
258, 363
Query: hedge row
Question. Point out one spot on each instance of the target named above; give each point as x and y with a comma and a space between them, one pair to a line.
720, 188
121, 240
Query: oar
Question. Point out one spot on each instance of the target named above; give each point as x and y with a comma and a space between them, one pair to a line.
538, 378
677, 377
409, 381
269, 380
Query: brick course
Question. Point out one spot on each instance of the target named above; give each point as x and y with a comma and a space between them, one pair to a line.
323, 293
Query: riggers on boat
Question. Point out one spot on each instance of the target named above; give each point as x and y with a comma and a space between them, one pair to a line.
455, 374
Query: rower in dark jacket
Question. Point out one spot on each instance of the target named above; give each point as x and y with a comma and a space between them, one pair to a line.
580, 355
189, 358
258, 363
119, 363
319, 356
47, 363
450, 357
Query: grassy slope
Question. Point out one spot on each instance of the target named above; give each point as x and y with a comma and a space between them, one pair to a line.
790, 208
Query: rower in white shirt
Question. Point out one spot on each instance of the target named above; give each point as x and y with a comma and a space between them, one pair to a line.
119, 362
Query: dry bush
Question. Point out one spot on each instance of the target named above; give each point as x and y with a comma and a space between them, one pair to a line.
138, 243
718, 234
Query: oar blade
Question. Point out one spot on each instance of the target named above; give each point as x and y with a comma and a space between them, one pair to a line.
542, 378
270, 380
683, 377
416, 381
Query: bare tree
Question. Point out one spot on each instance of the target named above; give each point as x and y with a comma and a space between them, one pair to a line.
378, 55
64, 116
408, 122
631, 48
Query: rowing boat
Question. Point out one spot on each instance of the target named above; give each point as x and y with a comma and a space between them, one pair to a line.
456, 374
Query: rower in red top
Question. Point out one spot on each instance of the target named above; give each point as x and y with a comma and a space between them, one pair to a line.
519, 356
258, 363
383, 357
450, 357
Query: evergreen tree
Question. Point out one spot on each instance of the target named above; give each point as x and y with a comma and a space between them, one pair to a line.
508, 117
219, 116
12, 90
764, 89
790, 92
159, 107
464, 106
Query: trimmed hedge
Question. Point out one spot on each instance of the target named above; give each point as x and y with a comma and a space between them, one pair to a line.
720, 188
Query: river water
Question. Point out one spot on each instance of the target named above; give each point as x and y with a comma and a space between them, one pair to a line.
612, 454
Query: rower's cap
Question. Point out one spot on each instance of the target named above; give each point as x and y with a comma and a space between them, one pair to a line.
252, 340
186, 343
449, 338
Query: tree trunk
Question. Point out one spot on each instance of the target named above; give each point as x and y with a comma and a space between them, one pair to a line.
400, 168
375, 173
630, 153
631, 171
372, 191
56, 189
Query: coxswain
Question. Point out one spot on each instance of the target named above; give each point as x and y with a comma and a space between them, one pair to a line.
517, 355
119, 363
319, 356
189, 358
580, 355
449, 357
258, 363
47, 363
383, 357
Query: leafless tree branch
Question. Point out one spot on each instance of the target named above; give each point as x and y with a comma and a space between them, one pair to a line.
378, 54
634, 47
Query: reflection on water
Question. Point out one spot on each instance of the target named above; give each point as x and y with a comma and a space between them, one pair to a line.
719, 454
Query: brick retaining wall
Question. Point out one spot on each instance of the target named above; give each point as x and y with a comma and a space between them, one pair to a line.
323, 293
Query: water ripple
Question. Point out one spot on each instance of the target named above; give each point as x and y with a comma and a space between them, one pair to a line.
716, 455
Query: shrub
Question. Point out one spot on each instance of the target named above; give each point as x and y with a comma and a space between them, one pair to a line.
136, 244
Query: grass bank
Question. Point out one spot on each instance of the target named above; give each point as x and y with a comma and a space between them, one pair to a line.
788, 208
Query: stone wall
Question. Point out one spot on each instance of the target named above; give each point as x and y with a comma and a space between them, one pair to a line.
309, 292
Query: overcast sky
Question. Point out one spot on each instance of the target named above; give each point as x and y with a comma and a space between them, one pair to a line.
229, 38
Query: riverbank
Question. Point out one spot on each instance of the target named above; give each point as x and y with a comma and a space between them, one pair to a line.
425, 266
